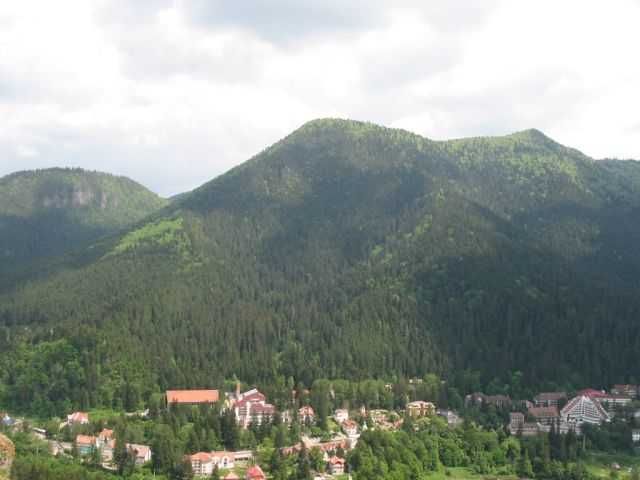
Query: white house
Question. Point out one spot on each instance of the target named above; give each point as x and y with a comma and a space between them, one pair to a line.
78, 418
340, 415
204, 463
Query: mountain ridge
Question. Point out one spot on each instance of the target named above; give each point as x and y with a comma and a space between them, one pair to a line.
482, 256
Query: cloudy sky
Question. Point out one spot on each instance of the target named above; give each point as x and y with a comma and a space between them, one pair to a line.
175, 92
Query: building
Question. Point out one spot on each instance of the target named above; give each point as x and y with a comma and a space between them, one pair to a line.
420, 408
498, 401
141, 453
85, 444
545, 415
6, 420
340, 415
350, 427
204, 463
231, 476
250, 407
452, 418
255, 473
613, 402
306, 415
78, 418
201, 464
592, 393
584, 409
379, 415
335, 465
517, 425
625, 390
635, 435
479, 398
243, 457
550, 399
191, 397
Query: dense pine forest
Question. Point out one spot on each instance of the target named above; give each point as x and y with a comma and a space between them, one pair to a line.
346, 250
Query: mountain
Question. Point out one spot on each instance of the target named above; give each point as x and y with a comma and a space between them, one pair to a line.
348, 250
45, 213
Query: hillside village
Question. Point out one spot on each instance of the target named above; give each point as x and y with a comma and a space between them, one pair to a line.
556, 412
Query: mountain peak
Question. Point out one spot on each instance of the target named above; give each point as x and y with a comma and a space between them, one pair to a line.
534, 136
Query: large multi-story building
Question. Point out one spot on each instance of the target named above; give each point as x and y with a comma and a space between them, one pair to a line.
584, 409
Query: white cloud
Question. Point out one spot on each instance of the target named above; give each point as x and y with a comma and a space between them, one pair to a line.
175, 92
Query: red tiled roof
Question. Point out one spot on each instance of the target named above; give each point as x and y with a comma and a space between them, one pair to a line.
202, 457
350, 424
78, 417
222, 454
231, 476
336, 460
85, 440
255, 473
590, 392
106, 433
192, 396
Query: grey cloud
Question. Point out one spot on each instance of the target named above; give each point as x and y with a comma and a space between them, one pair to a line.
287, 21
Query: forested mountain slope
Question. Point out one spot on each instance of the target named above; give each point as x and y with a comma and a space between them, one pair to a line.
349, 250
45, 213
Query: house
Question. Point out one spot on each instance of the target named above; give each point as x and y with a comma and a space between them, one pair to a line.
204, 463
550, 399
6, 420
635, 435
251, 407
335, 465
105, 436
379, 415
420, 408
78, 418
452, 418
350, 428
201, 464
306, 415
517, 425
545, 415
340, 415
255, 473
631, 391
191, 397
584, 409
85, 444
231, 476
141, 453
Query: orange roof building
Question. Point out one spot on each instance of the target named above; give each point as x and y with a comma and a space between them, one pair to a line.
192, 397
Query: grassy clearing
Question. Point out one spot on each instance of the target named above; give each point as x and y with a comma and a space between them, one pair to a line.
599, 464
463, 473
